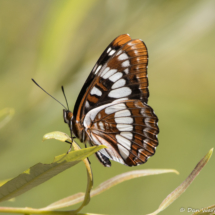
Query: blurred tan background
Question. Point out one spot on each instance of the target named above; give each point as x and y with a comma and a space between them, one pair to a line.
57, 42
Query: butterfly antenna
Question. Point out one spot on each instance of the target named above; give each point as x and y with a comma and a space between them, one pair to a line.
47, 92
65, 96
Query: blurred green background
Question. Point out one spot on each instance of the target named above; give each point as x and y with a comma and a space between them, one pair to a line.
57, 42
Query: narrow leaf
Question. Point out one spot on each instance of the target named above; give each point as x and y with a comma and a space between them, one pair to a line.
182, 187
89, 181
57, 135
3, 182
79, 197
206, 211
29, 211
40, 173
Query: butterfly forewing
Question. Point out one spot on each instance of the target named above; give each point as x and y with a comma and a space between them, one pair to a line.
121, 75
128, 129
115, 45
124, 76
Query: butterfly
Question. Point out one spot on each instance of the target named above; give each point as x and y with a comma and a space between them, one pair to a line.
112, 109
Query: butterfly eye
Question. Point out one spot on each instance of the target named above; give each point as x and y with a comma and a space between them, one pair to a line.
65, 116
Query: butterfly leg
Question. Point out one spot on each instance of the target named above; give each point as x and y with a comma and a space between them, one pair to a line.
70, 145
85, 148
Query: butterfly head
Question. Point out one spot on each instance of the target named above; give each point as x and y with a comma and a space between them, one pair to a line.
67, 116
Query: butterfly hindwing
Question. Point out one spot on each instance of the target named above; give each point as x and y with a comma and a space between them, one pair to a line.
128, 129
103, 159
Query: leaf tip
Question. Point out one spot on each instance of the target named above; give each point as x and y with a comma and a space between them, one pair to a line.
209, 154
45, 137
177, 172
103, 146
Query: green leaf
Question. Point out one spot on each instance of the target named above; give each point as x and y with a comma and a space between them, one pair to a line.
59, 160
86, 198
40, 173
185, 184
57, 135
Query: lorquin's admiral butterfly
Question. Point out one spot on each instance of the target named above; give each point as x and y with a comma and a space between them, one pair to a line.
112, 109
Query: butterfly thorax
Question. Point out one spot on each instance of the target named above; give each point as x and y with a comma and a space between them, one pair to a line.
79, 131
75, 126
